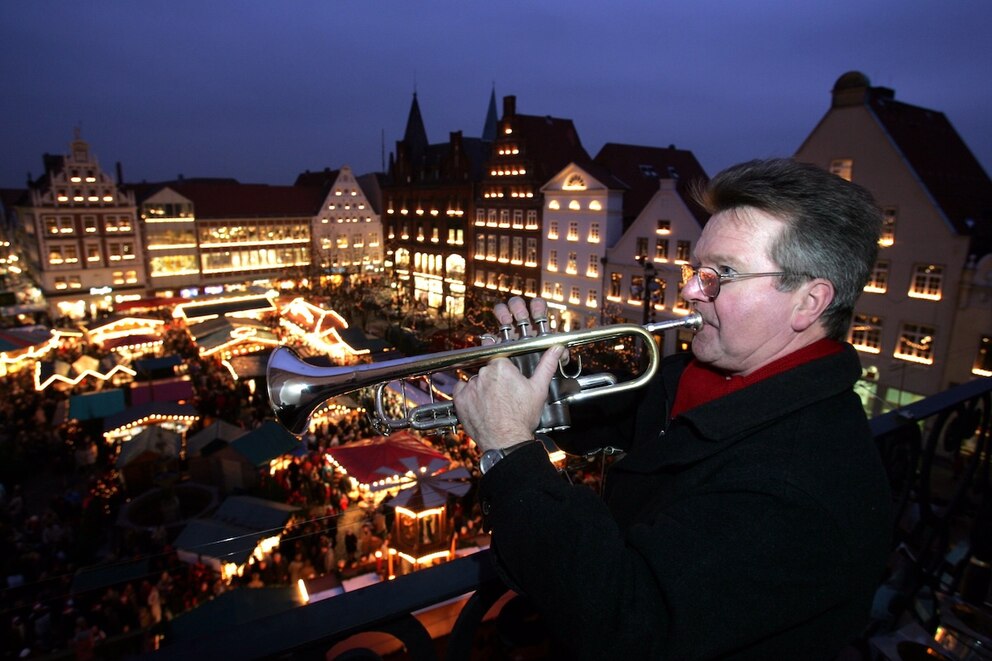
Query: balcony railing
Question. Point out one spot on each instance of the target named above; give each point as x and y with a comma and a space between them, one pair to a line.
936, 455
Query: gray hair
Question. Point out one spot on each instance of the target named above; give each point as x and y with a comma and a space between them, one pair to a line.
831, 230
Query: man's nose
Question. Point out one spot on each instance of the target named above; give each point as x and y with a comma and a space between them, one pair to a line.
692, 291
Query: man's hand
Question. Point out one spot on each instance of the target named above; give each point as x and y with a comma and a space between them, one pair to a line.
500, 407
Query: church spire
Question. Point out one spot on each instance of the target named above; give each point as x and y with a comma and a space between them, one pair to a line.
416, 135
489, 128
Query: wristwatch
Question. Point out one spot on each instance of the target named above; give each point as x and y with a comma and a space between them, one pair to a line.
492, 457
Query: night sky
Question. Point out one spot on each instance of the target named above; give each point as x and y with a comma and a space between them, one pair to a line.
261, 91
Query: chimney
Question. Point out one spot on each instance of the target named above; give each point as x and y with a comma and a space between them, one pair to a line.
120, 174
509, 106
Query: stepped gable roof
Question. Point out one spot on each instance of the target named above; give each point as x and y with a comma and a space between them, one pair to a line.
943, 162
641, 168
213, 200
551, 143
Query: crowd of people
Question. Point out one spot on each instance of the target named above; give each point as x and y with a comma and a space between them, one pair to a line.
61, 501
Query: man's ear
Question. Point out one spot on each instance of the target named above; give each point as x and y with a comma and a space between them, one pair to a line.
814, 297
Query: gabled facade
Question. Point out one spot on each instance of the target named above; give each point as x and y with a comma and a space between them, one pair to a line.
347, 232
427, 198
83, 235
925, 317
582, 218
506, 230
662, 223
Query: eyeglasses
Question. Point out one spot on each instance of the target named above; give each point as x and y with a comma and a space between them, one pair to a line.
709, 280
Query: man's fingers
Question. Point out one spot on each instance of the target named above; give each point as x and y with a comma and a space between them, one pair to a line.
547, 367
502, 314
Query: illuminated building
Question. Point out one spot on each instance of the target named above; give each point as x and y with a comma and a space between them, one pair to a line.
506, 235
210, 236
582, 218
347, 232
82, 235
924, 322
171, 244
427, 199
661, 225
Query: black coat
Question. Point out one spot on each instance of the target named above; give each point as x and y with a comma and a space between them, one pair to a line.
753, 526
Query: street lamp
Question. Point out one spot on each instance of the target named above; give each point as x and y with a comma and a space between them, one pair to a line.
649, 286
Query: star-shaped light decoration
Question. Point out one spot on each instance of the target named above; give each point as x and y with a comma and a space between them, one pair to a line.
423, 487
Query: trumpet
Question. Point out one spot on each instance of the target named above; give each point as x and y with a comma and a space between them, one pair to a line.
297, 388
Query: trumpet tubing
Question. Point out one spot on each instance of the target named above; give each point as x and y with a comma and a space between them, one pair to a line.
297, 388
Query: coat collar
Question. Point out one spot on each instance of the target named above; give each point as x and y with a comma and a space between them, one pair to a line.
716, 425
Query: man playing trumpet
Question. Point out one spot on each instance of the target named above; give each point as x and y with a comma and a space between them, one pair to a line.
749, 516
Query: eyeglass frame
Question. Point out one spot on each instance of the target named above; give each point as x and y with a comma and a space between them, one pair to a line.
689, 272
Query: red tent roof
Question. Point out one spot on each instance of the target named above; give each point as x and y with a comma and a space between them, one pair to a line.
362, 460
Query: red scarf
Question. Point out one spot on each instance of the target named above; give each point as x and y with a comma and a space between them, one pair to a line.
701, 383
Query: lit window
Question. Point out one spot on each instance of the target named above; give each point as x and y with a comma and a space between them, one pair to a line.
661, 250
574, 182
916, 344
518, 218
532, 219
504, 249
616, 284
504, 217
594, 233
592, 271
571, 266
480, 246
480, 216
517, 257
842, 167
641, 248
573, 295
553, 229
591, 298
530, 258
682, 251
866, 333
491, 247
888, 234
595, 205
573, 231
664, 227
926, 282
574, 205
878, 282
553, 260
983, 361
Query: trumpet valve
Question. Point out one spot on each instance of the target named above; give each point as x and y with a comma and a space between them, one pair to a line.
542, 325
